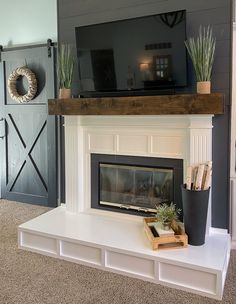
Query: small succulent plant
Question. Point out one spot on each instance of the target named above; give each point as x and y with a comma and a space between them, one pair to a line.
167, 213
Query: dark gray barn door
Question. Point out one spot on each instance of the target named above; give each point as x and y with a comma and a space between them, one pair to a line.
28, 134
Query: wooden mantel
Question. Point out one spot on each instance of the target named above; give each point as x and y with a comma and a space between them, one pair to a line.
139, 105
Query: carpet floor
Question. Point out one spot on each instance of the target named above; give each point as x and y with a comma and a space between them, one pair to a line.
29, 278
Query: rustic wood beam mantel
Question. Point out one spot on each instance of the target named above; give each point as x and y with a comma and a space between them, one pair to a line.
140, 105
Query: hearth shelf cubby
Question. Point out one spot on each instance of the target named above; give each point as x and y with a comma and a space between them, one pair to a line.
185, 104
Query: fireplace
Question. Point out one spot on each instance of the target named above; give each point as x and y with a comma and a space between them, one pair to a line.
134, 184
143, 146
165, 138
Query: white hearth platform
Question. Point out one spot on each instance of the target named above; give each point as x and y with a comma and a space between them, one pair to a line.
121, 246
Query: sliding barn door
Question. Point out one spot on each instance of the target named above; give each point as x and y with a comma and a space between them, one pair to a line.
28, 134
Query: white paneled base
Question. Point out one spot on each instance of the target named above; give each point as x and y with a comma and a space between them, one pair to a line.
47, 245
102, 242
200, 280
130, 264
79, 252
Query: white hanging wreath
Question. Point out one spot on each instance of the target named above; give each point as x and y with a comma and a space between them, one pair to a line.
32, 81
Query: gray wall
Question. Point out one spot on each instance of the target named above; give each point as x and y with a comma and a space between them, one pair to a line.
217, 13
27, 22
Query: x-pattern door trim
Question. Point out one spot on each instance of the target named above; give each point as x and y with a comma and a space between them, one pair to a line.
32, 161
26, 154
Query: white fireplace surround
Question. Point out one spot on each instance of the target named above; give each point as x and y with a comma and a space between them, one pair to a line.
115, 241
187, 137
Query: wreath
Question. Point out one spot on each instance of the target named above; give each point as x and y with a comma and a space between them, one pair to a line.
32, 82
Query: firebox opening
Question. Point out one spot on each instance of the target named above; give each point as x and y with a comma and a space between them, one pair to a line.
132, 187
132, 184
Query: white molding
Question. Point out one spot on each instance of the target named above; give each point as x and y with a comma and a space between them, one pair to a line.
166, 121
200, 150
71, 163
218, 231
232, 219
233, 109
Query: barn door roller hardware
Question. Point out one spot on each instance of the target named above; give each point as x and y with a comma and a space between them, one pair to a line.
49, 45
1, 49
2, 128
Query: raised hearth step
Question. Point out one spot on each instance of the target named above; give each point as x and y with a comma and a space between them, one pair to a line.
120, 245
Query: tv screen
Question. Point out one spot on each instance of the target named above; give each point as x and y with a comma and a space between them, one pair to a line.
139, 56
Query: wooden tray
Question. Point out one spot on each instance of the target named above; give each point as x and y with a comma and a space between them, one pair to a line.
179, 240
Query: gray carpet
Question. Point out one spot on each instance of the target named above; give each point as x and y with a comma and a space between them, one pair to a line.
28, 278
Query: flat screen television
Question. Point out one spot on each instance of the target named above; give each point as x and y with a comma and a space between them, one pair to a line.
139, 56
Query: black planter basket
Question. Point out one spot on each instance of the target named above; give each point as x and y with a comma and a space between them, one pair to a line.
195, 207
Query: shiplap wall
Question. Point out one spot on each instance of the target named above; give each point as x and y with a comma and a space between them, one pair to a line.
217, 13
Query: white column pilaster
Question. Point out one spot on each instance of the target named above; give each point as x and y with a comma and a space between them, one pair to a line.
71, 162
200, 147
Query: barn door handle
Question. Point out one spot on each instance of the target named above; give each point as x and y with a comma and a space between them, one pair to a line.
2, 129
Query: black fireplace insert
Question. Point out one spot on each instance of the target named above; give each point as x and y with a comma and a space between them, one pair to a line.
134, 184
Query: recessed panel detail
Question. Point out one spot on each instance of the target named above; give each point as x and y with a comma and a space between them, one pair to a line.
130, 264
81, 252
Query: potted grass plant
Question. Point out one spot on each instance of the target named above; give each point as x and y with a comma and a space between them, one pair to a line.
65, 68
166, 213
201, 51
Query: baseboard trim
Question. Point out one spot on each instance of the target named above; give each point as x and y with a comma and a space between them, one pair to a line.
213, 230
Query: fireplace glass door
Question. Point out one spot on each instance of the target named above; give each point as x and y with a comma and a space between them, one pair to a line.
135, 187
134, 184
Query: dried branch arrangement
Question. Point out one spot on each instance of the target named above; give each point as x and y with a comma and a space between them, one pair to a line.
199, 177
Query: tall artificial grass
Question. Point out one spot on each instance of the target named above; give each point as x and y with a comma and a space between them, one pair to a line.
202, 50
65, 66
